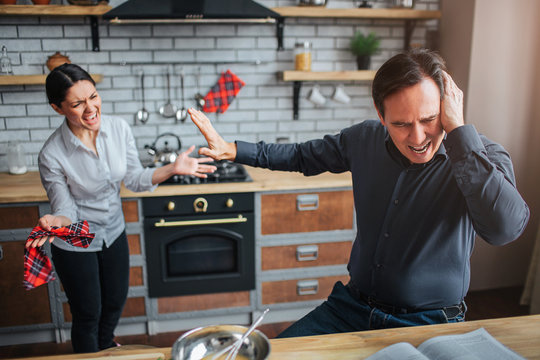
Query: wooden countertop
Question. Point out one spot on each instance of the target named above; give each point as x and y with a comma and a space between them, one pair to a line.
521, 334
28, 188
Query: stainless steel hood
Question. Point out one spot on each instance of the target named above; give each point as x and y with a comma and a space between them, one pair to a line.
155, 11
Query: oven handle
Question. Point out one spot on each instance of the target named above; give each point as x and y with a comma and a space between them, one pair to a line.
163, 223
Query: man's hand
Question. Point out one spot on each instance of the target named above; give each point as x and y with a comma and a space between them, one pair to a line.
218, 148
451, 105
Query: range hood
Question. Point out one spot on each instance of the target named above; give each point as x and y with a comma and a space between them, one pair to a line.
156, 11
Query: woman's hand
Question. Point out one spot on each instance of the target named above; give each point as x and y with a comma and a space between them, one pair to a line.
46, 222
218, 148
185, 165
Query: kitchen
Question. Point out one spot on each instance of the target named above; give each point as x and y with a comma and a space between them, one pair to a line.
263, 109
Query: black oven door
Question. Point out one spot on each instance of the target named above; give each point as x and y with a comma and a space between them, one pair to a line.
200, 254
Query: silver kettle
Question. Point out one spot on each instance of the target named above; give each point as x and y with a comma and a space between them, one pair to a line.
166, 155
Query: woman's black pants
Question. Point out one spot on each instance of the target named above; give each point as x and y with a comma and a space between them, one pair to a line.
96, 285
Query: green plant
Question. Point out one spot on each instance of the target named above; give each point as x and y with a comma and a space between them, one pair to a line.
364, 45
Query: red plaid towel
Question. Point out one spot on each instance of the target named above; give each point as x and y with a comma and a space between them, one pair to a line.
223, 93
37, 266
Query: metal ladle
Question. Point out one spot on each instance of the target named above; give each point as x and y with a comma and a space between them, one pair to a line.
169, 109
142, 115
181, 114
199, 98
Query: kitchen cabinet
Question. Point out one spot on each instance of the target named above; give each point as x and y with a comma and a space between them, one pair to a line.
61, 10
303, 244
20, 307
303, 235
43, 312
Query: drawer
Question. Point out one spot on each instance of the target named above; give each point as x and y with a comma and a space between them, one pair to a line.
131, 210
306, 212
299, 290
183, 303
298, 256
18, 217
134, 307
19, 306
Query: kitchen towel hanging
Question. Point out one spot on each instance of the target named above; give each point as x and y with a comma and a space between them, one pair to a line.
37, 265
223, 93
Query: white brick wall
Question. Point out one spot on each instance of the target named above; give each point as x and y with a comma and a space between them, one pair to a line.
263, 108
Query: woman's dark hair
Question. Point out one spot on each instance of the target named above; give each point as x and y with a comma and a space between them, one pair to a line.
404, 70
61, 78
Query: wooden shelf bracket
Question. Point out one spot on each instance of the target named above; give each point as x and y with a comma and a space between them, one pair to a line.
94, 29
297, 86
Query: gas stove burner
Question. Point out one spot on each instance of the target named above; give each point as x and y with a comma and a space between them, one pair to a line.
227, 171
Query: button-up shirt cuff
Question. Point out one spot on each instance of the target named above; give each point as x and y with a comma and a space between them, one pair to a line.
246, 153
462, 141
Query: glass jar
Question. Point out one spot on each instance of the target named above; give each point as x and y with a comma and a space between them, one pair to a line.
5, 63
302, 56
16, 158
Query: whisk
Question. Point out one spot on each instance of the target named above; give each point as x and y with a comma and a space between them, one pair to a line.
235, 347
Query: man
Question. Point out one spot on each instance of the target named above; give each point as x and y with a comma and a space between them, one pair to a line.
424, 185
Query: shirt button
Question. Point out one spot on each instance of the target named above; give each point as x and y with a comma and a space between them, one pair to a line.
386, 235
396, 202
378, 266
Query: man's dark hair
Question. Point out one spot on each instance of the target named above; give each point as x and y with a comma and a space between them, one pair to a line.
404, 70
61, 78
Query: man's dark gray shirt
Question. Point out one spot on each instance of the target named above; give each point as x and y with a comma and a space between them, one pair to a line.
416, 222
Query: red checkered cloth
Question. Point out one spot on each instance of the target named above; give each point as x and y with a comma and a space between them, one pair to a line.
223, 93
37, 265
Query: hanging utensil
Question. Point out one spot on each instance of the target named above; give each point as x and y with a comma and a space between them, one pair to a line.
142, 115
181, 114
169, 109
199, 98
235, 347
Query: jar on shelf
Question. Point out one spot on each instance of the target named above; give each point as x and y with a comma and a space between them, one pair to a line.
302, 56
16, 157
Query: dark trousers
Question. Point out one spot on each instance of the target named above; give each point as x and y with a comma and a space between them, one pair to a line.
96, 285
342, 312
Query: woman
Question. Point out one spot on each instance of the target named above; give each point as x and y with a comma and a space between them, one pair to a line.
82, 166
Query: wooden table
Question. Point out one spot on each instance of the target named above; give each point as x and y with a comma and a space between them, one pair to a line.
521, 334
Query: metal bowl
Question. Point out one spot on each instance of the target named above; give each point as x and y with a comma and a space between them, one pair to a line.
205, 342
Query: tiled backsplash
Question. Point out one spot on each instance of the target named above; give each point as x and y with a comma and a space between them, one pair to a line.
262, 109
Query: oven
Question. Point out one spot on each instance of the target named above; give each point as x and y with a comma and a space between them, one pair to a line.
198, 244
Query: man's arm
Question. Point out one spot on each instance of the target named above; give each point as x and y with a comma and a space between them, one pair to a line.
484, 173
311, 157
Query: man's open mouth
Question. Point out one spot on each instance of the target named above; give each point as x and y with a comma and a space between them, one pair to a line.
420, 149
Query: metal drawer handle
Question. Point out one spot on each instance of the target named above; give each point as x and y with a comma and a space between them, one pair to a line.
307, 252
307, 202
163, 223
307, 287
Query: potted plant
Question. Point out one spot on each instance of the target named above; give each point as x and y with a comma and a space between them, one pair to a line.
363, 46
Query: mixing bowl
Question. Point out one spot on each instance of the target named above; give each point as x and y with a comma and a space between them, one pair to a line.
205, 342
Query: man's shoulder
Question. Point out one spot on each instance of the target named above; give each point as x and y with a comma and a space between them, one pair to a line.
370, 128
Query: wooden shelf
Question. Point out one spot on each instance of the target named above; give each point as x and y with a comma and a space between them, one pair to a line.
54, 10
357, 13
33, 79
362, 75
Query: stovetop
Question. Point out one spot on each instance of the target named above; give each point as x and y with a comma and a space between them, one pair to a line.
227, 171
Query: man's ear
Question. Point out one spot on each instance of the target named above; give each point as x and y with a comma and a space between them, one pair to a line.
379, 114
59, 110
